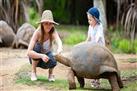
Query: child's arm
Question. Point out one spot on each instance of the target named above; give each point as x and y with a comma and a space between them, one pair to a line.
88, 36
88, 39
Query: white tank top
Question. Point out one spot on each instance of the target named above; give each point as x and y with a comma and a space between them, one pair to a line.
46, 46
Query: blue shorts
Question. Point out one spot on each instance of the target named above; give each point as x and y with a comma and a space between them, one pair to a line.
45, 65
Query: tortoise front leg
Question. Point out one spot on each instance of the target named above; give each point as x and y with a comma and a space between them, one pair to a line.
81, 81
114, 82
71, 79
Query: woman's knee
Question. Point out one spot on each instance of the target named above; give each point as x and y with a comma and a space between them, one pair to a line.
35, 62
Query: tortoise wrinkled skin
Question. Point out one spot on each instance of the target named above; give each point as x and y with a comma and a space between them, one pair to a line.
92, 61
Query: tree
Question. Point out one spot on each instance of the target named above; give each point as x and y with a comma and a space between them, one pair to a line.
13, 12
129, 20
101, 5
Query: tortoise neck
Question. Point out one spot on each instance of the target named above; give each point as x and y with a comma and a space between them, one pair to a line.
60, 58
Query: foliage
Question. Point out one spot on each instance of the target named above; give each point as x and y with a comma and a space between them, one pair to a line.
59, 9
69, 11
131, 87
124, 45
74, 38
129, 74
121, 44
75, 34
33, 17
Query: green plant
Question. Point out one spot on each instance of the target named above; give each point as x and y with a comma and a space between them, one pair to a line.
132, 60
127, 46
33, 17
74, 38
43, 82
123, 45
130, 87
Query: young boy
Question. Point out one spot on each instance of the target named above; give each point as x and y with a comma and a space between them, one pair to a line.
95, 33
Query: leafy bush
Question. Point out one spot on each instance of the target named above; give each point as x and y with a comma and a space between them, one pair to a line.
74, 38
124, 45
33, 17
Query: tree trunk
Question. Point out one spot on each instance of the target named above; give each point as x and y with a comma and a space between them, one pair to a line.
12, 11
101, 5
40, 6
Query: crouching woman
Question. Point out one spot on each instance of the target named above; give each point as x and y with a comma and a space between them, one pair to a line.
39, 50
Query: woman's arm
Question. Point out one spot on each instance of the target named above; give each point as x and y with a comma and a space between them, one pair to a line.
58, 41
32, 53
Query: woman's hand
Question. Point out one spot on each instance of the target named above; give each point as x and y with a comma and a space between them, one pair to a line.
45, 58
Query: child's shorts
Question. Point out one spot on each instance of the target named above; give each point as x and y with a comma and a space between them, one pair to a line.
45, 65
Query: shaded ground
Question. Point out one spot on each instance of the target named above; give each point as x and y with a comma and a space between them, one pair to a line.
11, 60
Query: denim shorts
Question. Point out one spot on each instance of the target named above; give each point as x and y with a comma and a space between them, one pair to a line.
45, 65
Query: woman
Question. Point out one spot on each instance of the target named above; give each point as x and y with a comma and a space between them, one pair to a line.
39, 50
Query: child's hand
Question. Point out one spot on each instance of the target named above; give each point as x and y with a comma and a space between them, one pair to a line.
45, 58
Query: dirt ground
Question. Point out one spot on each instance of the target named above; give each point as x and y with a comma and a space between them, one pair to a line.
11, 60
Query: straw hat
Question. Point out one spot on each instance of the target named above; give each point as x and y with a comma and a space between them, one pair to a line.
47, 16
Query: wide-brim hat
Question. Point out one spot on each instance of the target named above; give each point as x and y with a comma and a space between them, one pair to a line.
47, 16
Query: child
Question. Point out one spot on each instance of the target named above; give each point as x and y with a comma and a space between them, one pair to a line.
39, 50
95, 33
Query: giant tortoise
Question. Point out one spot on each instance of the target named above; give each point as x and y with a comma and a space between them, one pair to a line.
23, 36
92, 61
6, 34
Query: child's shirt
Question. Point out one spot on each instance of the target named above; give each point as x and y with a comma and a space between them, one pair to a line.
96, 34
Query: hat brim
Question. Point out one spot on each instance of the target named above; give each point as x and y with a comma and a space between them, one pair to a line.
48, 21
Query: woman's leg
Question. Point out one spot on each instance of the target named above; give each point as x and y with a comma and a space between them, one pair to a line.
33, 70
52, 63
34, 65
37, 48
51, 70
51, 76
